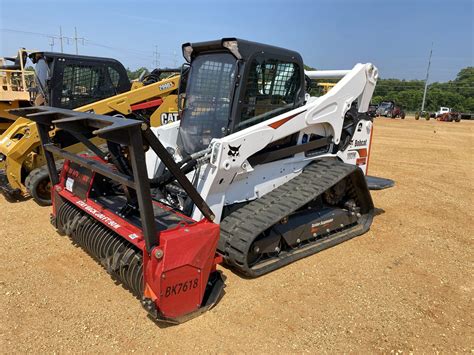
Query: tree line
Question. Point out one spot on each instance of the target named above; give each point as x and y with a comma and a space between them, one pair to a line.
457, 94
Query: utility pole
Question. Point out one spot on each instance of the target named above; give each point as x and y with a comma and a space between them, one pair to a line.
156, 61
61, 38
426, 80
175, 59
77, 39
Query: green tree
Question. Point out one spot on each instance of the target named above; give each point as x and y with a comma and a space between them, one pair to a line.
133, 75
469, 105
439, 97
466, 75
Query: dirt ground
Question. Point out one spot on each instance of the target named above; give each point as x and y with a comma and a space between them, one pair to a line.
406, 285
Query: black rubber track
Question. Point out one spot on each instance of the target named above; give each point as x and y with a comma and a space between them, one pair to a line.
243, 226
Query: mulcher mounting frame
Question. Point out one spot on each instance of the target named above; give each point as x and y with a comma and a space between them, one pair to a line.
180, 280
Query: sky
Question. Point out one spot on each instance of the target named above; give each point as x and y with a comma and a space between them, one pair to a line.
395, 35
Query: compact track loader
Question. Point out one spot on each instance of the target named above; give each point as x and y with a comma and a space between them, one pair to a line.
256, 174
92, 84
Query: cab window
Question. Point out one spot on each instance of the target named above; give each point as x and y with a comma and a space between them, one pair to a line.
271, 89
83, 84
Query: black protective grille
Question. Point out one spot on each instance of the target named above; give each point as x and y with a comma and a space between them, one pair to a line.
211, 90
208, 101
86, 84
114, 76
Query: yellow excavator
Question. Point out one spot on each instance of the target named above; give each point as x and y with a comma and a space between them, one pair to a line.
85, 84
15, 82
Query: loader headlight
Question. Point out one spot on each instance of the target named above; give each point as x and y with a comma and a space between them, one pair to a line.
187, 51
2, 157
215, 153
368, 126
233, 47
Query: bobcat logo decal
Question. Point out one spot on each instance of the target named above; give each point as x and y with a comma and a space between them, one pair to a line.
234, 151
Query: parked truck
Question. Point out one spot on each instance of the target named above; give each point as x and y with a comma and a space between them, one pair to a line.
390, 109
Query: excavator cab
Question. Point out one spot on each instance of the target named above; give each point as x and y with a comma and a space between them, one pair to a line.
233, 84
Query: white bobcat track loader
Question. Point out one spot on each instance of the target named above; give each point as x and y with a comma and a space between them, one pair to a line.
248, 129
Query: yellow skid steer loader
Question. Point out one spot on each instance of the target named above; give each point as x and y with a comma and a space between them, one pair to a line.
85, 84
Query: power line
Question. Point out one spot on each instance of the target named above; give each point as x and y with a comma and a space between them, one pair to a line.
135, 52
26, 32
84, 40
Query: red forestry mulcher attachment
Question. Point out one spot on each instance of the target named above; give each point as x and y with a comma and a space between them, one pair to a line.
165, 258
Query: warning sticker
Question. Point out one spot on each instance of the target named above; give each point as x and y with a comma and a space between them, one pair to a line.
69, 184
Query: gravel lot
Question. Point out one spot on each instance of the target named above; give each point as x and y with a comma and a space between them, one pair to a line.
406, 285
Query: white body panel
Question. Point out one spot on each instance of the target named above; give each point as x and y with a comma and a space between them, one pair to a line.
358, 151
167, 134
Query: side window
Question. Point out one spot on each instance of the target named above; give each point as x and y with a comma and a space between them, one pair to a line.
271, 89
84, 84
114, 76
79, 84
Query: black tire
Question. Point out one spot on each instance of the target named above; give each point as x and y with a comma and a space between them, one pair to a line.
417, 116
38, 185
402, 115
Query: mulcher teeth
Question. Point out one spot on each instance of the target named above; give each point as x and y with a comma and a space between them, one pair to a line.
122, 260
